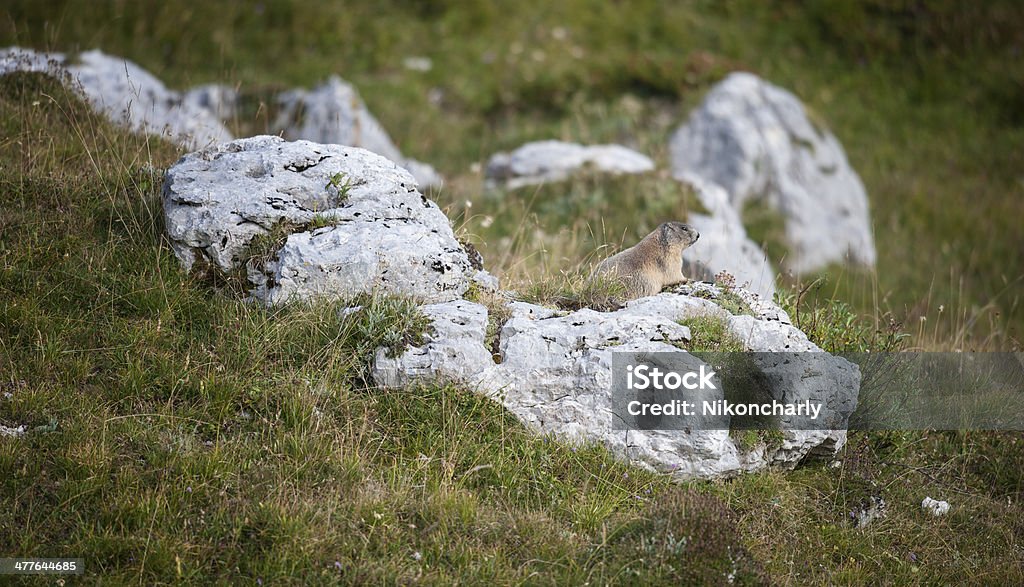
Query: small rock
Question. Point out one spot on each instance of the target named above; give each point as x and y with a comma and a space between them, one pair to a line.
219, 99
349, 311
133, 96
548, 161
12, 432
421, 64
18, 59
875, 510
935, 507
724, 244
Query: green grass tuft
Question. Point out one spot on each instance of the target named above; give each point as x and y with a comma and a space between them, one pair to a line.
711, 334
572, 292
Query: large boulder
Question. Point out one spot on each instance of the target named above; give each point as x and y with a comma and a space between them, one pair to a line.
548, 161
334, 113
332, 221
555, 375
756, 141
127, 94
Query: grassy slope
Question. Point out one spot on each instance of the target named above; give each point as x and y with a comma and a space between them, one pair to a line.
178, 433
200, 438
926, 100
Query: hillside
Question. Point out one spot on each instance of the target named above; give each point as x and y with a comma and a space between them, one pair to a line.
177, 434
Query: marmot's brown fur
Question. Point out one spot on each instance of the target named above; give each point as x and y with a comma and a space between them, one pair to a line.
653, 263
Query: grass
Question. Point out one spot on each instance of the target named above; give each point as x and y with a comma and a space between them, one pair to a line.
835, 327
179, 435
711, 334
572, 291
498, 313
342, 186
776, 510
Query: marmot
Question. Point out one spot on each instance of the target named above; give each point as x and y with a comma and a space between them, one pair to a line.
653, 263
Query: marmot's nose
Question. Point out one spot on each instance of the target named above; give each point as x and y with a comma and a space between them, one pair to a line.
696, 236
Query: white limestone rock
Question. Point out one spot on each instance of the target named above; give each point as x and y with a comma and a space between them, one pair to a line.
377, 232
12, 432
549, 161
555, 375
334, 113
454, 345
756, 141
935, 507
132, 96
127, 94
724, 244
783, 353
17, 59
762, 308
219, 99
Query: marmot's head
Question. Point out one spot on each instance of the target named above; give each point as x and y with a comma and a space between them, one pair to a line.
676, 234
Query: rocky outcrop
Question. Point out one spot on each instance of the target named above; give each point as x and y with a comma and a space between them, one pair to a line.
334, 113
306, 220
548, 161
127, 94
302, 220
556, 372
757, 142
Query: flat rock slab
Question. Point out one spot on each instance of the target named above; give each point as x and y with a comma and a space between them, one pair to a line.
756, 141
351, 221
548, 161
